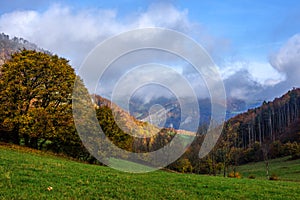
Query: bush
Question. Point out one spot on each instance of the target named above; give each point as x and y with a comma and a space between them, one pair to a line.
295, 156
291, 148
234, 175
231, 175
274, 177
182, 165
251, 176
237, 175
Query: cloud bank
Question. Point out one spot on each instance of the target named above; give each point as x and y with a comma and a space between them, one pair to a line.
287, 62
74, 33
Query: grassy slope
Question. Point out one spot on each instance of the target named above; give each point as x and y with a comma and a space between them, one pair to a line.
283, 168
26, 175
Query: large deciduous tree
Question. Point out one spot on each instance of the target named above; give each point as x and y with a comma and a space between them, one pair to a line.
36, 99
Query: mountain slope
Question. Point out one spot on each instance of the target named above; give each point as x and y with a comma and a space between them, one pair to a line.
171, 115
129, 123
276, 120
9, 46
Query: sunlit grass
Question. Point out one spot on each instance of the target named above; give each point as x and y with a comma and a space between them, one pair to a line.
26, 174
284, 168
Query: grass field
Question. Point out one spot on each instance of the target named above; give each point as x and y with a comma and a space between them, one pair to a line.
283, 168
26, 174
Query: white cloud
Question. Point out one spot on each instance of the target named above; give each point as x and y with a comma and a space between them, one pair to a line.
260, 72
61, 30
241, 85
265, 74
286, 63
229, 68
287, 60
164, 15
73, 34
18, 22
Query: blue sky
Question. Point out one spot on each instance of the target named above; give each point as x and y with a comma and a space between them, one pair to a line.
253, 27
257, 38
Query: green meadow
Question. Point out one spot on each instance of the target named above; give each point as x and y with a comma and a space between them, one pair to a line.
31, 174
283, 168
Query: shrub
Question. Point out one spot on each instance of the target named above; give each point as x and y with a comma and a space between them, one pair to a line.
274, 177
231, 175
234, 175
237, 175
251, 176
182, 165
295, 156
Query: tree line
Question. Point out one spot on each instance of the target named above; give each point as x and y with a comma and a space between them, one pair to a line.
36, 111
269, 131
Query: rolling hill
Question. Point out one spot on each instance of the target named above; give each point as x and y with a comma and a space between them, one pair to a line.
31, 174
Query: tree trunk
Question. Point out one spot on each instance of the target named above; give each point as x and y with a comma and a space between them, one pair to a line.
26, 140
224, 171
41, 145
15, 135
267, 169
34, 143
265, 151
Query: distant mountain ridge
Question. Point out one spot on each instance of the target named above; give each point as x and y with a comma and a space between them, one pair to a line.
174, 117
8, 46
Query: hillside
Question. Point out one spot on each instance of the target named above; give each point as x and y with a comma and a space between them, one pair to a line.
28, 174
275, 120
175, 118
125, 121
9, 46
260, 134
284, 168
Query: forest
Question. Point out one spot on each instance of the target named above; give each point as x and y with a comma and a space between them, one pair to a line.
36, 112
